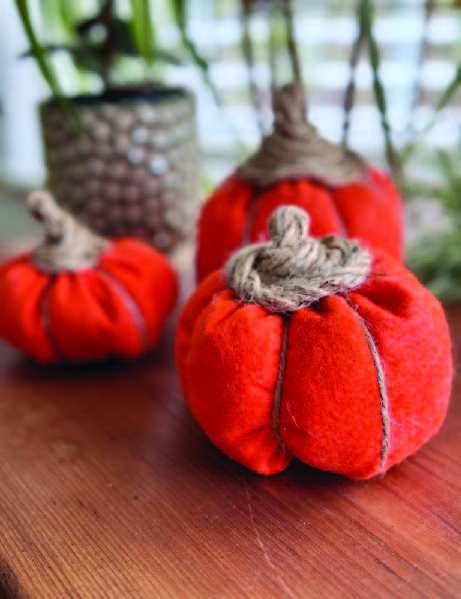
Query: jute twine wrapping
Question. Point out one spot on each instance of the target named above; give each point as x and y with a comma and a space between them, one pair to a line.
295, 150
383, 397
68, 245
294, 270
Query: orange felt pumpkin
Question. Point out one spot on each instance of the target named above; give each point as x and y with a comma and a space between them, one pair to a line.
317, 349
294, 166
79, 297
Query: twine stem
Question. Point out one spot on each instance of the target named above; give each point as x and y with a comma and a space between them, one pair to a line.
67, 245
293, 271
295, 150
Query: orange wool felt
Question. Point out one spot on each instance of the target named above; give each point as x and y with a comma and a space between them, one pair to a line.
331, 414
238, 212
116, 306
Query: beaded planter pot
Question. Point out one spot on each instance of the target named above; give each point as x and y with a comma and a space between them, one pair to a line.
135, 172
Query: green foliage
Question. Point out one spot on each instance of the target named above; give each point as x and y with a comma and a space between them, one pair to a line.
446, 97
136, 37
95, 43
179, 10
44, 66
378, 87
142, 28
436, 259
366, 40
46, 70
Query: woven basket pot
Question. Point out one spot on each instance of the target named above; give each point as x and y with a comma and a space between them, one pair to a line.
135, 171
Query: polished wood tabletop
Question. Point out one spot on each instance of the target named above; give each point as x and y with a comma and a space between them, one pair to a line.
109, 490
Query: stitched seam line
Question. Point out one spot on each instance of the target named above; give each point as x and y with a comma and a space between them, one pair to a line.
277, 399
383, 397
46, 321
130, 305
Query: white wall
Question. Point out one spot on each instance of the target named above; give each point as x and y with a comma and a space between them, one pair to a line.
20, 90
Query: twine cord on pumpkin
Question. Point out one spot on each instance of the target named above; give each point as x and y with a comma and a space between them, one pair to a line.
384, 399
46, 321
277, 399
68, 245
295, 150
294, 270
129, 303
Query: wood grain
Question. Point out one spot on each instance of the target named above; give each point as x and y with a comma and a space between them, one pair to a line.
110, 490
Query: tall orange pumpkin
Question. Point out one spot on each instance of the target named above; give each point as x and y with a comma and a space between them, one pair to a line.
79, 297
294, 166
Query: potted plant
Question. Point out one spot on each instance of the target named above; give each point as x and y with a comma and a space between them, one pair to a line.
124, 160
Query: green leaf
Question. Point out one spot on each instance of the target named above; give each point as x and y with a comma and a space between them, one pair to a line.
45, 68
367, 15
445, 99
447, 95
59, 15
68, 15
451, 199
86, 56
446, 166
407, 153
349, 95
91, 53
436, 261
179, 12
419, 190
180, 17
142, 28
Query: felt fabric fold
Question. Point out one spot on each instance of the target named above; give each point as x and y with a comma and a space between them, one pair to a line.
232, 399
22, 289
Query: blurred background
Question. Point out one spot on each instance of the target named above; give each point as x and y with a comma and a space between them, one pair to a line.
382, 75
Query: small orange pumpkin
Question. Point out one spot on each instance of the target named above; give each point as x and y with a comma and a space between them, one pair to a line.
80, 297
295, 166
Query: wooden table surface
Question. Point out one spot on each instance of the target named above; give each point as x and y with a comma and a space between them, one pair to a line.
110, 490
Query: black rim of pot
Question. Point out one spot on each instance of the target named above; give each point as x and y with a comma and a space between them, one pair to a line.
124, 95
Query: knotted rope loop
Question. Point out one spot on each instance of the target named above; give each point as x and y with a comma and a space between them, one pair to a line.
295, 150
294, 270
67, 245
288, 225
